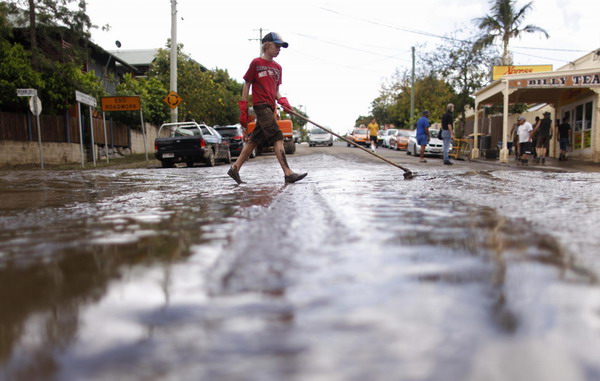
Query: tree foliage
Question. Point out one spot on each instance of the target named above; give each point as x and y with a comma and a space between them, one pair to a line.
393, 103
207, 96
463, 67
151, 92
504, 23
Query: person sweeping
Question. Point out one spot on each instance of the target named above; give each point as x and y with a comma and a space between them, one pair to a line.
264, 77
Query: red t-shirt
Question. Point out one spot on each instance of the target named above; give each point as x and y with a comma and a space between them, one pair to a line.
265, 77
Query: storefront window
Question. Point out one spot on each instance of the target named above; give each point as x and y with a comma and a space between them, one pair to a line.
581, 121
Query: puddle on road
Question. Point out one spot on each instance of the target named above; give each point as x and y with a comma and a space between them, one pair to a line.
452, 275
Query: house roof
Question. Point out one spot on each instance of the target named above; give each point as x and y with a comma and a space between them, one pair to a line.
134, 57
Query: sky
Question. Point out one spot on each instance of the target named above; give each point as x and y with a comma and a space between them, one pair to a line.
340, 52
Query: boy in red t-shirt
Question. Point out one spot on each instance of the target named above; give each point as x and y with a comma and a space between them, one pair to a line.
264, 75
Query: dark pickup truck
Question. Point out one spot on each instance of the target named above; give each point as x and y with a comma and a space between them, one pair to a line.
189, 143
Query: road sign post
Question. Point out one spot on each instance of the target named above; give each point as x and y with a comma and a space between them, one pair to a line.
124, 103
91, 102
35, 106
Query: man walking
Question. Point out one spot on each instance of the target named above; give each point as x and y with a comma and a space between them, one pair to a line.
524, 131
423, 134
447, 132
373, 128
264, 76
542, 134
564, 130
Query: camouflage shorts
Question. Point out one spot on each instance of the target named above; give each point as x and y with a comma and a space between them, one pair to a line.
266, 132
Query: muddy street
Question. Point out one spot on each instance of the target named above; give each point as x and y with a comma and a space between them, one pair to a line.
468, 272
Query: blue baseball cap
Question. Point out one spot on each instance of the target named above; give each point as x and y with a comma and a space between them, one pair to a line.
276, 38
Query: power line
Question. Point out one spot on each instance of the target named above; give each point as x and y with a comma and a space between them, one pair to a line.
423, 33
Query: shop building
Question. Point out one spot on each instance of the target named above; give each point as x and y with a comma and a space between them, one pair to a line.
573, 91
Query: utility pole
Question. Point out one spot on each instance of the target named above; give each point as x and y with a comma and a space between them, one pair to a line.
412, 90
259, 41
173, 58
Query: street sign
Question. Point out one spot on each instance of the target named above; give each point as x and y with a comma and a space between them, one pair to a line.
84, 98
35, 105
131, 103
172, 99
26, 92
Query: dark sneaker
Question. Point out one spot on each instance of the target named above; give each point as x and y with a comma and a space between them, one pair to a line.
235, 174
294, 177
448, 163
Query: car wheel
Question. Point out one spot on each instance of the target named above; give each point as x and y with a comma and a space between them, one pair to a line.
167, 164
228, 158
253, 154
415, 150
210, 160
189, 163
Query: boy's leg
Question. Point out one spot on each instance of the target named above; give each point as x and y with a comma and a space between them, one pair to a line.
244, 155
280, 154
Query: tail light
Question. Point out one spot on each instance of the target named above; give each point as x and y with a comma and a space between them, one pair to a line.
238, 137
156, 147
202, 143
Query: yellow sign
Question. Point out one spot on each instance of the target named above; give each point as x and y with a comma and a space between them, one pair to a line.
172, 99
499, 71
121, 103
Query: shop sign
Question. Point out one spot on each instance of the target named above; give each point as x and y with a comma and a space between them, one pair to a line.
577, 80
500, 71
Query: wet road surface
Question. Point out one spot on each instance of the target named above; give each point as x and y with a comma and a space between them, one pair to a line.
463, 273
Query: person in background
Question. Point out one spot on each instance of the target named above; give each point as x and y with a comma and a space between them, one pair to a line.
264, 76
373, 128
515, 135
564, 131
423, 134
542, 135
535, 126
524, 132
447, 132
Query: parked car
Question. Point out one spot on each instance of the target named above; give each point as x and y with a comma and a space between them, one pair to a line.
297, 137
234, 135
399, 140
360, 136
189, 143
434, 147
380, 137
318, 136
387, 134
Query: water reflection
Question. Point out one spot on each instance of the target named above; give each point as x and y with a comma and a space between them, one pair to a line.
172, 274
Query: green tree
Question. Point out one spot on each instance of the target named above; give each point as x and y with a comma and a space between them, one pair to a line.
431, 94
16, 72
151, 92
47, 18
207, 96
466, 69
504, 23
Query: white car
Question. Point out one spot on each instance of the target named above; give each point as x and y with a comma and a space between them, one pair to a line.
319, 137
387, 134
434, 147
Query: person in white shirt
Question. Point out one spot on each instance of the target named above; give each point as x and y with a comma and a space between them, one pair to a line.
524, 131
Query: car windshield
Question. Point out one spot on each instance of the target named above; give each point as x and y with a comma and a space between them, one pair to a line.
186, 131
360, 131
433, 133
317, 131
391, 132
228, 131
404, 133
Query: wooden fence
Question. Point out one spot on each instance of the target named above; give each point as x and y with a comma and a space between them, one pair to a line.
62, 129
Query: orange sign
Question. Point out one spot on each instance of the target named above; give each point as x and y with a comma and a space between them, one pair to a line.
172, 99
499, 71
121, 103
